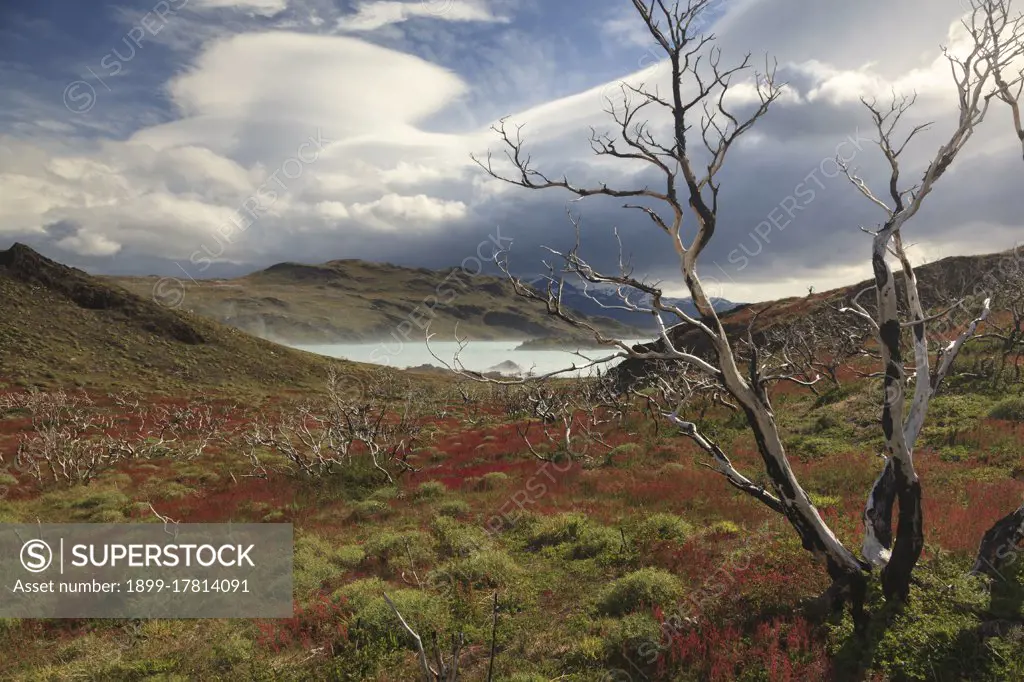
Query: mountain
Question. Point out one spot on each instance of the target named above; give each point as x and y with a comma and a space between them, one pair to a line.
607, 300
62, 326
356, 301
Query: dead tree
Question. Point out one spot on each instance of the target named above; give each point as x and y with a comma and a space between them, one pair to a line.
571, 418
976, 75
1004, 30
816, 346
72, 440
1007, 329
699, 91
318, 439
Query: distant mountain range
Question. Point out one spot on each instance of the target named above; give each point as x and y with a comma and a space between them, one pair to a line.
608, 304
62, 326
354, 301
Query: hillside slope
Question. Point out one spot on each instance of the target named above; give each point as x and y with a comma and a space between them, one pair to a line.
940, 284
61, 326
356, 301
606, 302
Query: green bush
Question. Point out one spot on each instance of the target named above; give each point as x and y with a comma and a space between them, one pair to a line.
1011, 409
956, 409
628, 635
368, 509
640, 589
821, 500
663, 527
596, 542
489, 568
557, 530
423, 612
623, 452
359, 593
383, 494
723, 527
834, 395
315, 560
577, 537
815, 447
458, 539
826, 422
374, 619
491, 481
453, 508
349, 556
88, 504
405, 550
431, 490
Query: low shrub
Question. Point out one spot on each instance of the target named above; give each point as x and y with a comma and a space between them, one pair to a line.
596, 542
938, 630
623, 453
315, 560
489, 568
349, 556
1010, 409
645, 588
369, 509
431, 490
557, 529
383, 494
491, 481
400, 550
631, 636
423, 611
453, 508
575, 536
663, 527
723, 527
457, 539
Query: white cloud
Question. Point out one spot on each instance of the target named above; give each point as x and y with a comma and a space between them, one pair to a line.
413, 173
371, 16
247, 88
397, 210
252, 105
87, 243
246, 103
267, 8
332, 209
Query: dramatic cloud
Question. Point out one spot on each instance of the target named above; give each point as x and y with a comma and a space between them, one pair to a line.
371, 16
297, 131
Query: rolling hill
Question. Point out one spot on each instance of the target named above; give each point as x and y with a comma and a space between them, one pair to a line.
60, 326
356, 301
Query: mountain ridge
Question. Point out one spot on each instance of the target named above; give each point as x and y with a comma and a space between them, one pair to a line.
357, 301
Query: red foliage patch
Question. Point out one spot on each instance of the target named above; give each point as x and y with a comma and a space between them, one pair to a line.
959, 527
222, 505
785, 649
320, 623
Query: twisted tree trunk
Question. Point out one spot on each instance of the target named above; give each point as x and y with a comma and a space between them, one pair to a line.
1001, 545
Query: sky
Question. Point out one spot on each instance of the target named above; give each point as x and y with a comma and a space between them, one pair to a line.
203, 138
